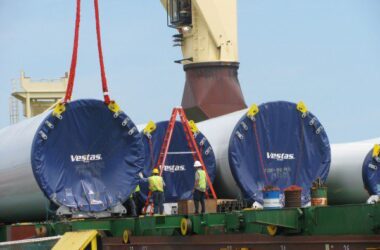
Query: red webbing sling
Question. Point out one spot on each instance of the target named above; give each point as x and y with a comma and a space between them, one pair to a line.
70, 85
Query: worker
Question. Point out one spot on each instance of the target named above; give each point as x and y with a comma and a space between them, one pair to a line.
156, 186
376, 153
130, 204
199, 187
374, 165
132, 201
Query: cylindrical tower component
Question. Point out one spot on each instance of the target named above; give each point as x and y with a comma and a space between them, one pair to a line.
212, 89
345, 184
21, 198
178, 172
218, 132
87, 159
371, 171
278, 144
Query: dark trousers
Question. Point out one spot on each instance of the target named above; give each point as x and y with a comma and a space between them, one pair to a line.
158, 202
131, 206
140, 203
199, 197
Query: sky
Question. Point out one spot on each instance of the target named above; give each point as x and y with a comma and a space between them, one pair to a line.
325, 53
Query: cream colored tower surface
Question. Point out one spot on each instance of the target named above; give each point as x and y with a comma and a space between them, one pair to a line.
14, 105
39, 95
206, 31
212, 35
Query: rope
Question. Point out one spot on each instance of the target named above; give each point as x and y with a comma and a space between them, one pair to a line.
260, 154
70, 85
151, 153
301, 152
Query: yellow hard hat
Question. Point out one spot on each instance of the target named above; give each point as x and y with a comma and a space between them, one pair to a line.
155, 171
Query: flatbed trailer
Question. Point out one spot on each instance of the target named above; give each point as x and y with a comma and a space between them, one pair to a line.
245, 242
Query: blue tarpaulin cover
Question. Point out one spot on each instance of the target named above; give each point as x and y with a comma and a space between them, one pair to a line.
179, 172
90, 159
279, 148
371, 174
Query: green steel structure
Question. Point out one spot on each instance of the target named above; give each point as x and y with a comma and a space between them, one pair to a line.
330, 220
350, 220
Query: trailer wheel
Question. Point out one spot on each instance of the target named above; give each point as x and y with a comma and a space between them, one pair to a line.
126, 235
186, 227
41, 231
272, 230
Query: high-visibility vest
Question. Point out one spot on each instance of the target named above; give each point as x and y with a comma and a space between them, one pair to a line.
201, 181
156, 183
137, 189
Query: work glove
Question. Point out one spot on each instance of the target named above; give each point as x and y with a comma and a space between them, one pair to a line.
307, 204
257, 206
373, 199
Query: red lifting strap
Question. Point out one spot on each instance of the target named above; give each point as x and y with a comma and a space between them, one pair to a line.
70, 85
69, 89
102, 70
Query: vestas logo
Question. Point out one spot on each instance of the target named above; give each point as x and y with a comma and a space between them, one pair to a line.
174, 168
86, 158
280, 156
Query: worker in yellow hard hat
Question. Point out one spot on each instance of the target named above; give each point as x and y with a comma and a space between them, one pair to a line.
156, 186
199, 187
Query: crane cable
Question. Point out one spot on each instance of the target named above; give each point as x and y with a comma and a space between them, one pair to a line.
70, 84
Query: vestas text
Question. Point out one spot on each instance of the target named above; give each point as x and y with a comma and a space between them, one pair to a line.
280, 156
174, 168
86, 158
